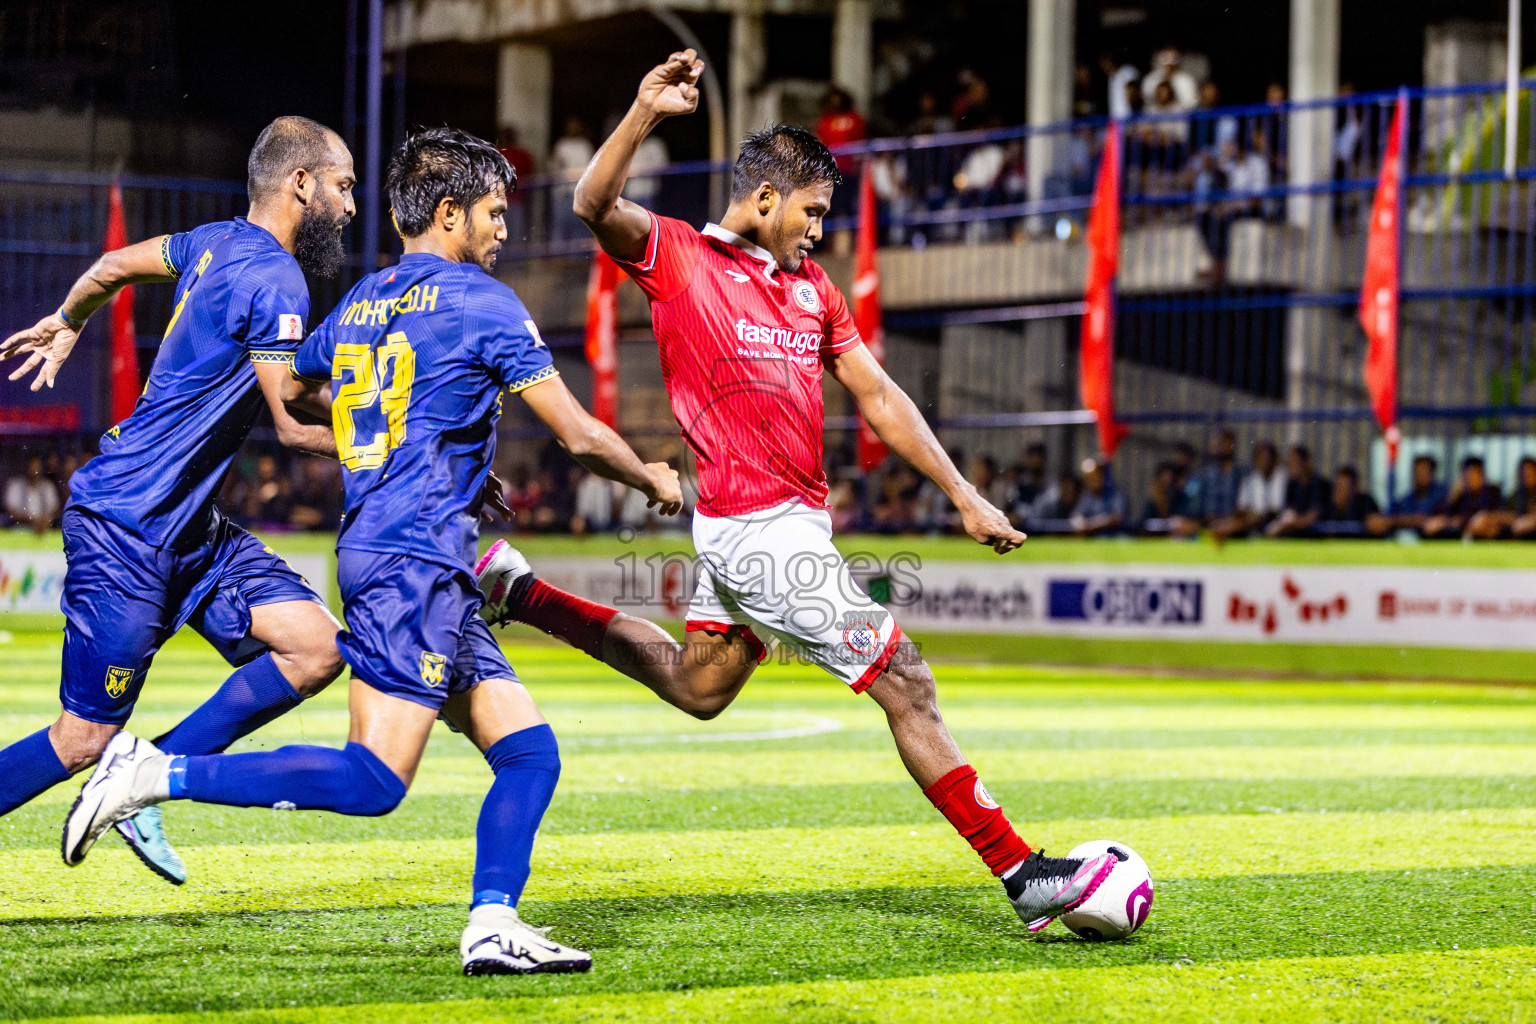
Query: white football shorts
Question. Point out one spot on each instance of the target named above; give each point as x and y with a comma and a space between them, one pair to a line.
775, 573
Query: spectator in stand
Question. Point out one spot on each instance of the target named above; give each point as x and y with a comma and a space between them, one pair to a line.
1055, 508
317, 500
1472, 494
643, 185
1271, 133
841, 124
31, 499
568, 158
66, 472
1208, 130
972, 107
1119, 75
595, 502
845, 507
267, 497
1168, 136
1213, 492
522, 495
895, 510
1167, 67
1260, 499
1082, 92
1166, 502
523, 165
1424, 498
932, 511
929, 120
1245, 177
1101, 508
1521, 510
557, 501
1350, 511
1523, 504
1306, 496
1028, 482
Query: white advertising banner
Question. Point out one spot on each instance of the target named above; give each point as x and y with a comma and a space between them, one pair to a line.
33, 581
1410, 607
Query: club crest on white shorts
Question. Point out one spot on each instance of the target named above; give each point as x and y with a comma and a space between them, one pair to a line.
861, 636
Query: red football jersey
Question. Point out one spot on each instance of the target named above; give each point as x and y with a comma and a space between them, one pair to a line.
743, 344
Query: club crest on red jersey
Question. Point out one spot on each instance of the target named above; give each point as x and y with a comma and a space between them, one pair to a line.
805, 295
862, 637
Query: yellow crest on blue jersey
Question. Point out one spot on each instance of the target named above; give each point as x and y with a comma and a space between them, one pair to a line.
432, 666
118, 680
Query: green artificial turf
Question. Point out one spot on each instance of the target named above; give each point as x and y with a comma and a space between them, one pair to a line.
1324, 850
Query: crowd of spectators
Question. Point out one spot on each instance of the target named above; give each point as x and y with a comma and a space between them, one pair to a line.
1188, 496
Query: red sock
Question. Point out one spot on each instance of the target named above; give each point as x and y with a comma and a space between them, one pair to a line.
575, 620
962, 799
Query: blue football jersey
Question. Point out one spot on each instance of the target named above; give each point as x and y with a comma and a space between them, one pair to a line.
418, 357
241, 298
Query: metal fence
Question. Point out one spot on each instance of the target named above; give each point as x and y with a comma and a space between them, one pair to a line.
1243, 243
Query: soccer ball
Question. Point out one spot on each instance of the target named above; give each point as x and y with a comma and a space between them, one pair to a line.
1121, 904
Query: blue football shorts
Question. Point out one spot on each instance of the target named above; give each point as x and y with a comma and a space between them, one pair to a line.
413, 627
124, 598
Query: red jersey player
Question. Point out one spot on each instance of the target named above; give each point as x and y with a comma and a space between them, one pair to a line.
746, 326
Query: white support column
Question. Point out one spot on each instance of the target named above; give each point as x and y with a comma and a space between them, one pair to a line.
749, 62
1314, 76
524, 90
1049, 83
1309, 161
853, 33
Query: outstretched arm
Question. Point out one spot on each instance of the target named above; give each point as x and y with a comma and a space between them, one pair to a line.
901, 426
596, 446
295, 407
621, 226
47, 343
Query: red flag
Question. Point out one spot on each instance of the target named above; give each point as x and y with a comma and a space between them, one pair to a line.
1096, 370
603, 337
125, 344
1382, 283
866, 305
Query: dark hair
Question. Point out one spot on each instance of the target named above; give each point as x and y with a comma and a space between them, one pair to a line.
434, 164
785, 156
1472, 460
1434, 464
1349, 471
1302, 451
283, 147
1266, 446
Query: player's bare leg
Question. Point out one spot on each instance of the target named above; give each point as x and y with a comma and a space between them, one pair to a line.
301, 636
701, 675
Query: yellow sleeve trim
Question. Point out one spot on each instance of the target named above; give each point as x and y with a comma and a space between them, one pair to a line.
533, 378
296, 375
266, 355
165, 256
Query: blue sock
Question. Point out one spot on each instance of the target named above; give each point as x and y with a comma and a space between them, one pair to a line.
527, 766
27, 768
250, 698
298, 777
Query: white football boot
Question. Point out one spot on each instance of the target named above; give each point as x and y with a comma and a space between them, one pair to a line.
124, 782
1043, 888
498, 570
497, 941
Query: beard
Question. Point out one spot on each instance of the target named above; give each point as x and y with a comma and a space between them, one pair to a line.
487, 257
318, 244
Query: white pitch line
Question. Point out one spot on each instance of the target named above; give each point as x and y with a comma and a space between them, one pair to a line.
818, 726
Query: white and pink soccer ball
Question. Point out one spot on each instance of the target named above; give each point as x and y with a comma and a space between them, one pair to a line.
1121, 904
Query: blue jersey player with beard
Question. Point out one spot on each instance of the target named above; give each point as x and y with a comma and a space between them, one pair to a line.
417, 358
147, 550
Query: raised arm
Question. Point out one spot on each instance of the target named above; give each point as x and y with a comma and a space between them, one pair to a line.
621, 226
596, 446
901, 426
47, 343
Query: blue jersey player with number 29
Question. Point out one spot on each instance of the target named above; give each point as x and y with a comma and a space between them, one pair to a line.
417, 357
147, 549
